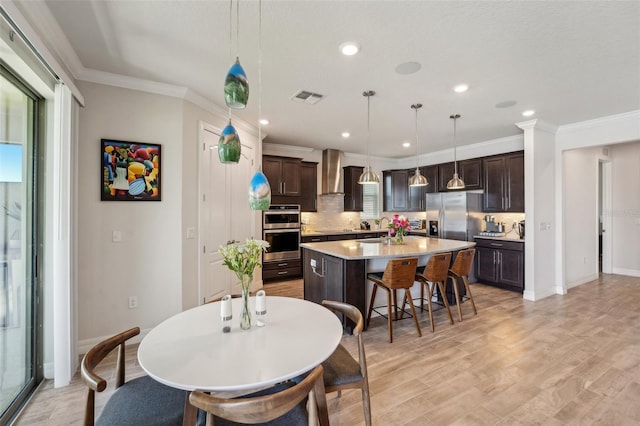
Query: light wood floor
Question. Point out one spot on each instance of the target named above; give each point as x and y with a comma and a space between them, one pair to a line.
564, 360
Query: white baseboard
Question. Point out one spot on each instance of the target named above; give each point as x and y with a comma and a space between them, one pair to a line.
628, 272
537, 295
47, 370
582, 280
85, 345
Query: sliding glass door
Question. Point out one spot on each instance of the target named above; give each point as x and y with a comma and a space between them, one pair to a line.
19, 371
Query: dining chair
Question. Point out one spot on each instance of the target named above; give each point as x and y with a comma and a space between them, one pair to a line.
341, 370
460, 270
282, 405
141, 401
434, 275
398, 274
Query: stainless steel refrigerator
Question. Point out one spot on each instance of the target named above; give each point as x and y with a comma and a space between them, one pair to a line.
454, 215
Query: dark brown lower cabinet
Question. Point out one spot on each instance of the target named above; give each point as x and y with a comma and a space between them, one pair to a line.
500, 263
281, 270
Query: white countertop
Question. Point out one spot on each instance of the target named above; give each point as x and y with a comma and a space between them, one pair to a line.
413, 246
505, 238
315, 232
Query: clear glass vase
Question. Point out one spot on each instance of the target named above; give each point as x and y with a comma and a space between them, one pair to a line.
245, 315
399, 237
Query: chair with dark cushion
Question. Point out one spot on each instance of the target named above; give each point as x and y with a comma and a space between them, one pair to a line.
281, 405
141, 401
341, 370
460, 270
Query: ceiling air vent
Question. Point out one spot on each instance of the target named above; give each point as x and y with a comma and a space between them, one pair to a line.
307, 97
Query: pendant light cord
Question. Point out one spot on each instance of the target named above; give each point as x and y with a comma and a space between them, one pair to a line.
368, 94
260, 75
455, 157
416, 107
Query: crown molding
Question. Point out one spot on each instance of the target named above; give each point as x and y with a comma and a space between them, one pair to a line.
601, 121
291, 148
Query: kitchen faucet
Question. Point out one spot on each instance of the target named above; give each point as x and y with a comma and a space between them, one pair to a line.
383, 218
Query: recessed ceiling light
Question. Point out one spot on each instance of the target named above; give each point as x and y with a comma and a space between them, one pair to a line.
408, 68
461, 88
406, 144
346, 134
528, 113
349, 48
505, 104
264, 121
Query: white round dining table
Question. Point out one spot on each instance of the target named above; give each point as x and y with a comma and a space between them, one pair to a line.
190, 351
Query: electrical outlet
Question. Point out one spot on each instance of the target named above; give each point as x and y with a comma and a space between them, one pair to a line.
133, 302
313, 263
116, 236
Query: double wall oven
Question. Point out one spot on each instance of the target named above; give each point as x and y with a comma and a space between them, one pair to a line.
281, 229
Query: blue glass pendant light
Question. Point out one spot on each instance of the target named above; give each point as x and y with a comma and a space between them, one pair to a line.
229, 147
259, 192
236, 87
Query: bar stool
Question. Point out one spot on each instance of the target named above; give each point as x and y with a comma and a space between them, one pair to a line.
398, 274
461, 269
435, 273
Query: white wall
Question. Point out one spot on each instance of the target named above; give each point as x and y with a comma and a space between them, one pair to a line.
146, 263
580, 203
625, 213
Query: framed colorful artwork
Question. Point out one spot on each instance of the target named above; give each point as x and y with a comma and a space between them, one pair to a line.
130, 171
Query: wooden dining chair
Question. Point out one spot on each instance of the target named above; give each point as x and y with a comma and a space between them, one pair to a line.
460, 270
398, 274
284, 404
434, 275
141, 401
341, 370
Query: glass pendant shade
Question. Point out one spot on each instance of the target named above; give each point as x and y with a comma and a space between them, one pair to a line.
236, 87
229, 147
455, 182
418, 179
368, 176
259, 192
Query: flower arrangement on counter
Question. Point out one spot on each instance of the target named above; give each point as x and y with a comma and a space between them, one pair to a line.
243, 259
399, 227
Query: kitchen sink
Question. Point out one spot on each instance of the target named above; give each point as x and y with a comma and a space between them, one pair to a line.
373, 240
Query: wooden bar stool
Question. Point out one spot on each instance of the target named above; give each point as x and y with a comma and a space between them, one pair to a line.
435, 273
398, 274
461, 269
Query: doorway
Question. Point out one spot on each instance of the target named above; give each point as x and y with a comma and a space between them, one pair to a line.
604, 217
20, 318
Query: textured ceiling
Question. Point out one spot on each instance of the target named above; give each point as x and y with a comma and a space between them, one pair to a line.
569, 61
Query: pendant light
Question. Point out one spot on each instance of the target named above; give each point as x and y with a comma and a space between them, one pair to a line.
259, 188
417, 179
236, 85
229, 147
368, 176
455, 182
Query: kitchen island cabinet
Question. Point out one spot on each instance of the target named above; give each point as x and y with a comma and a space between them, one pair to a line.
337, 270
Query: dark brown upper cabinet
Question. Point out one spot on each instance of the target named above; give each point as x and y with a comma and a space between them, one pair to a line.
470, 171
504, 183
308, 186
352, 189
283, 174
395, 190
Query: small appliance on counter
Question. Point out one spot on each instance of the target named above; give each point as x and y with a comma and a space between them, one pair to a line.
365, 226
417, 224
520, 229
491, 228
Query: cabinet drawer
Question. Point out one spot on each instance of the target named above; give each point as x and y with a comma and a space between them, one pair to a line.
340, 237
270, 274
283, 264
313, 239
500, 244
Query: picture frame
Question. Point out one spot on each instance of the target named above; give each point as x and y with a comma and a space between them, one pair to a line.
131, 171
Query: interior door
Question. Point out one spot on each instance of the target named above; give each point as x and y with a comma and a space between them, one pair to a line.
215, 277
240, 215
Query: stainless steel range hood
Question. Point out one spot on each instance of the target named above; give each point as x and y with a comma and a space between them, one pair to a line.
332, 172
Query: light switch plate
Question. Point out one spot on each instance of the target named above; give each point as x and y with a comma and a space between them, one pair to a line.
116, 236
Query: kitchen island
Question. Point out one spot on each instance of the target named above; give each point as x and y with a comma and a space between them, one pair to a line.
337, 270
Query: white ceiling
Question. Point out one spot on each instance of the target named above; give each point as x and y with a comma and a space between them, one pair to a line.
570, 61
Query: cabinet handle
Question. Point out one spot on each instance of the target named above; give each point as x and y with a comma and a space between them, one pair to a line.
315, 240
284, 187
494, 257
496, 244
282, 264
499, 258
283, 272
